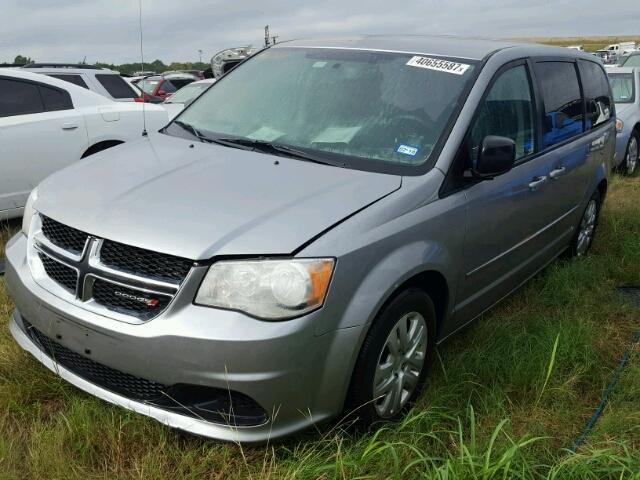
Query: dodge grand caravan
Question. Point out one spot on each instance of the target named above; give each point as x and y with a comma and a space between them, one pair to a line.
300, 238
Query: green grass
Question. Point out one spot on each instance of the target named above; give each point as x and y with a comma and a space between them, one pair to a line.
506, 398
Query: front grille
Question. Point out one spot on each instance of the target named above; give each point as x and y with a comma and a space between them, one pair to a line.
138, 261
64, 237
61, 274
213, 404
129, 301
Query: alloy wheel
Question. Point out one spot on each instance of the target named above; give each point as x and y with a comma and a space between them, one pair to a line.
587, 227
400, 365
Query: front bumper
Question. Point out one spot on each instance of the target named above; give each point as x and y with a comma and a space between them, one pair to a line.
298, 378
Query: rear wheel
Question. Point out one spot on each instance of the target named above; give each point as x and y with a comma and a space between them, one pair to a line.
630, 164
394, 360
586, 230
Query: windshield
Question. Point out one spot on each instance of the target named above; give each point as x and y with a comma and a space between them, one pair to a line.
632, 61
347, 105
622, 87
188, 93
148, 86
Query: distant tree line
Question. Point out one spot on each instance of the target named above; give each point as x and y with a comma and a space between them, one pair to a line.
157, 66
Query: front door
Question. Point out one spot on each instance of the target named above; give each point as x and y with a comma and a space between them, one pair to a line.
506, 237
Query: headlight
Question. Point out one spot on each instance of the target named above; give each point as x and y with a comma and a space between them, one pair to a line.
619, 125
268, 289
29, 211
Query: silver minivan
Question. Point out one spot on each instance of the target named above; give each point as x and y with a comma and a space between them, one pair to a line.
300, 238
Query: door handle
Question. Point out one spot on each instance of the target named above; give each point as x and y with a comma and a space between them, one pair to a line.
558, 172
69, 126
537, 182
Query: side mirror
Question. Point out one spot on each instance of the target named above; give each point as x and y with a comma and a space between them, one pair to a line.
497, 156
161, 93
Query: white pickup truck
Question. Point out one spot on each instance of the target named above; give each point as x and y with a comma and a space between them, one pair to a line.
617, 50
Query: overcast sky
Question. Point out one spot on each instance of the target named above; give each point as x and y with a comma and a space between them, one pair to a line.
174, 30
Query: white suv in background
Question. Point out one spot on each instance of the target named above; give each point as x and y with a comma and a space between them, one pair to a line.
100, 80
47, 124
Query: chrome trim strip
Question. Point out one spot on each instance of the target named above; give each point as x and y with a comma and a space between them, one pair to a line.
96, 263
521, 243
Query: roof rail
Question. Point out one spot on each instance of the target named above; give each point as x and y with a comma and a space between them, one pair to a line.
62, 65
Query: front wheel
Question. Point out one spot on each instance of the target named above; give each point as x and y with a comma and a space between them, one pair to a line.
392, 365
630, 164
586, 230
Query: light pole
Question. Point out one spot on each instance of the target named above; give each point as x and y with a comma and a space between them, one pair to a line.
200, 53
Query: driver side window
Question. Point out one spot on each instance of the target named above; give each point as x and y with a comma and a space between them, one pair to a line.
506, 111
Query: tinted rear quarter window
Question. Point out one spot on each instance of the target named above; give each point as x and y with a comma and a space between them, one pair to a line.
75, 79
597, 93
175, 84
19, 98
562, 101
55, 99
116, 86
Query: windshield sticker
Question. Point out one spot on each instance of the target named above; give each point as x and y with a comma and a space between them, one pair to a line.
337, 135
438, 64
265, 134
407, 150
319, 64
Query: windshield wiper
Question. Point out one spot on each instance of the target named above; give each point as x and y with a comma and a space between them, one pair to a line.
273, 148
191, 129
203, 138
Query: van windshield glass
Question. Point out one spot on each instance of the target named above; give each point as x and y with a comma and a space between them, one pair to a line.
355, 108
622, 87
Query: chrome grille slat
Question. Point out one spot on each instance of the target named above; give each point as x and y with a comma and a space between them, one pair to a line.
104, 287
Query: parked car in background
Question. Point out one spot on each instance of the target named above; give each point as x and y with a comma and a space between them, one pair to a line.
604, 55
631, 60
183, 97
47, 124
143, 73
161, 87
225, 60
297, 242
576, 47
196, 73
99, 80
625, 85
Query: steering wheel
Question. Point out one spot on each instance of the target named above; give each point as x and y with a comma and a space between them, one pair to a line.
420, 125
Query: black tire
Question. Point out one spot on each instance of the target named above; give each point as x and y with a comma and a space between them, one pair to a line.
361, 404
629, 166
576, 249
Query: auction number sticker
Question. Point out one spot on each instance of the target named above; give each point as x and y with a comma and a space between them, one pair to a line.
438, 65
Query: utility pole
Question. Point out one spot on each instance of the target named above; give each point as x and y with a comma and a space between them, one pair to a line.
266, 36
200, 53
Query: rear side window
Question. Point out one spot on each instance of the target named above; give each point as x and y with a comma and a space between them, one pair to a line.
596, 93
562, 101
19, 98
75, 79
55, 99
507, 111
116, 86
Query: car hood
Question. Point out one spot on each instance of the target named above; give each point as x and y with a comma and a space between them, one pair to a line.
173, 109
199, 200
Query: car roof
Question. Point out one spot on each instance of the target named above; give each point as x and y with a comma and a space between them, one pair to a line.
206, 80
440, 45
62, 68
81, 96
